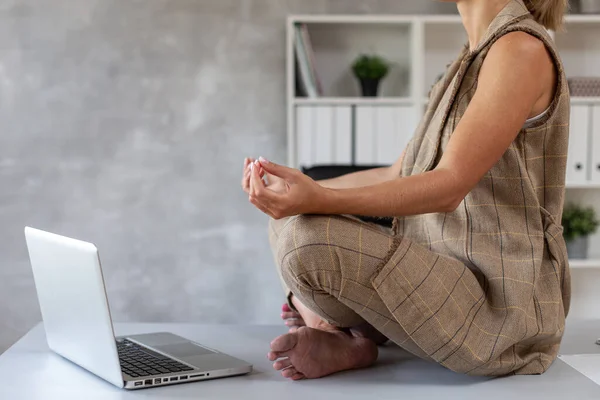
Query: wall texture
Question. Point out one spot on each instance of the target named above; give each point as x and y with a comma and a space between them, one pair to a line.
125, 123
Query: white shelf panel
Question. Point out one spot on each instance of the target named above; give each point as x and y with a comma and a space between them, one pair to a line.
585, 100
353, 19
582, 19
592, 263
441, 19
585, 185
359, 101
407, 19
455, 19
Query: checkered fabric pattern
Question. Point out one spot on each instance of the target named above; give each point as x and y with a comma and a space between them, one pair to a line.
482, 290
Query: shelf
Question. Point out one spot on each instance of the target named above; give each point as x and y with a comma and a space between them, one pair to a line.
582, 18
592, 263
352, 19
442, 19
359, 101
574, 100
586, 185
585, 100
407, 19
419, 47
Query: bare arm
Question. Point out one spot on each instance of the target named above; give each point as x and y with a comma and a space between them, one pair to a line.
491, 123
517, 80
365, 178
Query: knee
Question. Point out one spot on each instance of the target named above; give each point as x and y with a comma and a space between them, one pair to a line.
297, 234
301, 247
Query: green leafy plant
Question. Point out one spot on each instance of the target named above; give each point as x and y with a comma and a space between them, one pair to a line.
370, 67
579, 221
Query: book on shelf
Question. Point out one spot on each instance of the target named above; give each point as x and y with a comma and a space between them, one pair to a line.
311, 59
307, 76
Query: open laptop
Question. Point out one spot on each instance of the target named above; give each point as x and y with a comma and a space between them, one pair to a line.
70, 287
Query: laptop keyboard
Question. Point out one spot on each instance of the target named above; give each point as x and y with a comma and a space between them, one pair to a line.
137, 361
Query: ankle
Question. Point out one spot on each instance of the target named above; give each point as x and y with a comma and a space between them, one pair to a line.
368, 353
325, 326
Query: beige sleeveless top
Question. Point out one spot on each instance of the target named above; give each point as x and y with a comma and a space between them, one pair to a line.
507, 231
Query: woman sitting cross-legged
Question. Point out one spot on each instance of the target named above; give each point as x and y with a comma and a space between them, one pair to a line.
473, 274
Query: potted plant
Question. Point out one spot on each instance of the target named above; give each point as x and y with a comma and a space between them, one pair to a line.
578, 222
370, 70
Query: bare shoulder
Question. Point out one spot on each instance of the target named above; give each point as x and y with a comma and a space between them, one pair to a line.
520, 50
524, 60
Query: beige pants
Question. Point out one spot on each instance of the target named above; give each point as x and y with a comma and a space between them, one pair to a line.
332, 274
350, 272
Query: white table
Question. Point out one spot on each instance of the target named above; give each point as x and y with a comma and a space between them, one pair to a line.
29, 371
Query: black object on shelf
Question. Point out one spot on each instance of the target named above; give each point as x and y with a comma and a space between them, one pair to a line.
321, 172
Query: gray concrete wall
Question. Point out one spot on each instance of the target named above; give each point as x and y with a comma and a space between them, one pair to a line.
125, 123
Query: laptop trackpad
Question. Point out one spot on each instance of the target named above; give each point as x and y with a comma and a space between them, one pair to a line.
181, 350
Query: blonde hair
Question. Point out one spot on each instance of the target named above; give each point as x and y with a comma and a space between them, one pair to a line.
549, 13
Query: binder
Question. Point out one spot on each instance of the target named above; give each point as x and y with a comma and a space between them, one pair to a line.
324, 135
595, 145
577, 157
382, 133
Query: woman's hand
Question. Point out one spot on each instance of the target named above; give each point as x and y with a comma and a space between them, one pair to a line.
273, 182
246, 174
289, 192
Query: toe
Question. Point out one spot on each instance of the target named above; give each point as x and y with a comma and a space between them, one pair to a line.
290, 315
289, 372
298, 376
284, 343
281, 364
274, 355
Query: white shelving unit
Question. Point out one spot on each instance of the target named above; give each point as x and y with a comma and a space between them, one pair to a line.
591, 263
342, 128
347, 101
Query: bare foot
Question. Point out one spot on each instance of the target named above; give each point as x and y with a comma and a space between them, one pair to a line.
292, 318
367, 331
313, 353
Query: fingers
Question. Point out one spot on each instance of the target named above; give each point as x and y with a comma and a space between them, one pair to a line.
260, 206
256, 183
276, 169
257, 188
259, 192
247, 162
246, 174
268, 201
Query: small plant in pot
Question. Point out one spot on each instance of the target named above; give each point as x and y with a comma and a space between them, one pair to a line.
370, 70
578, 222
